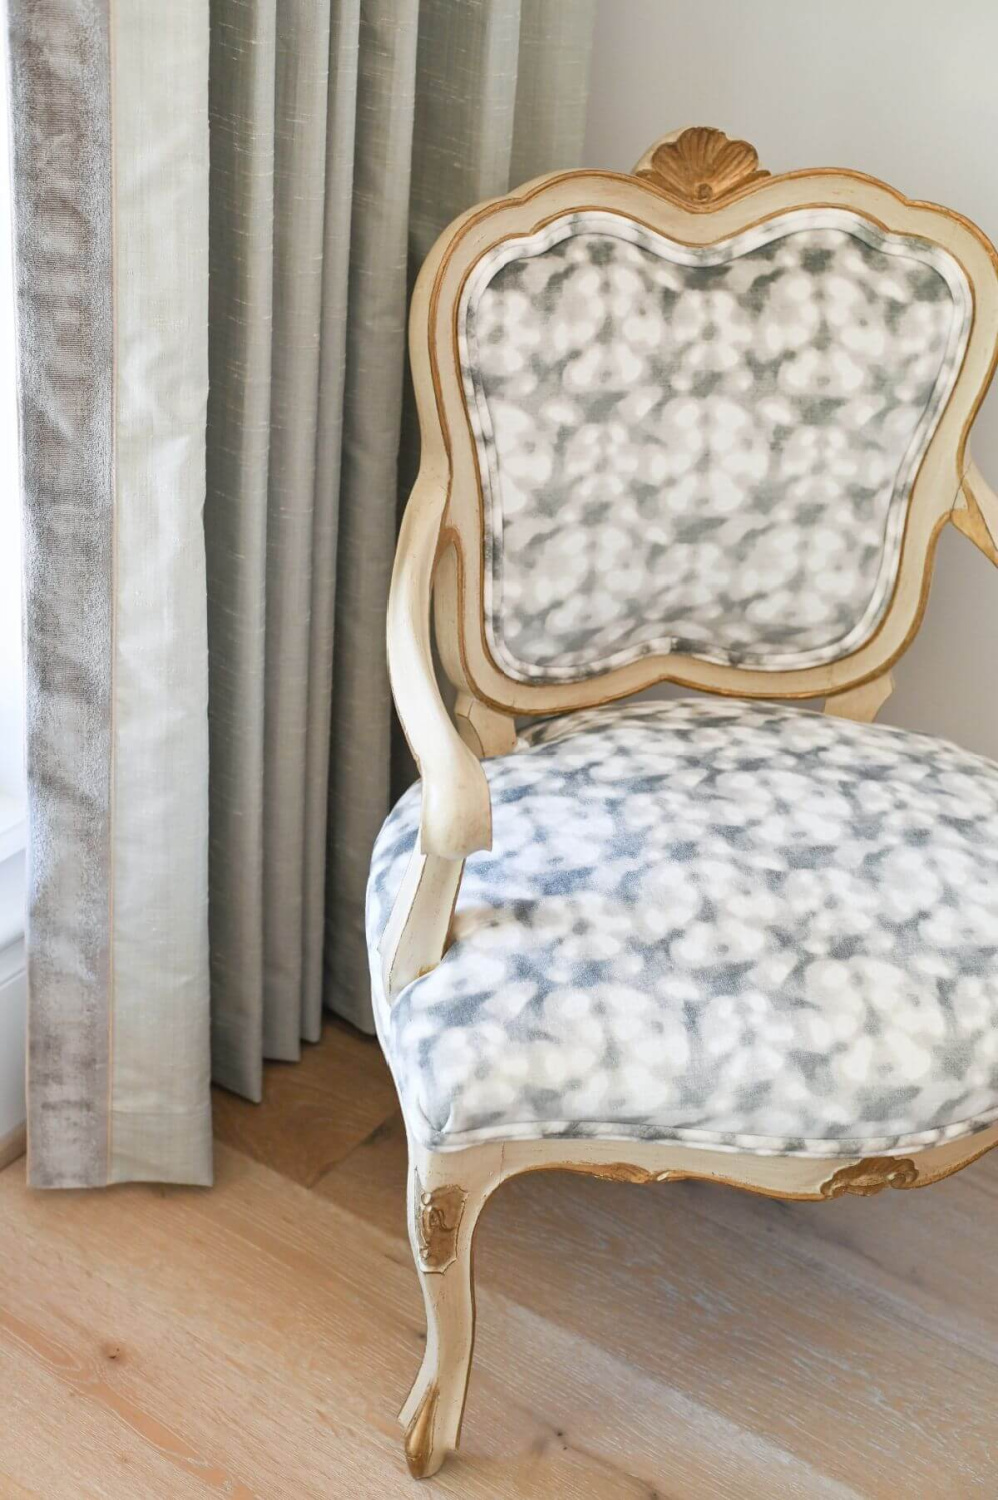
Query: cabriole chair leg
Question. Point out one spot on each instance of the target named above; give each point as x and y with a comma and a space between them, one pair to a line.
443, 1213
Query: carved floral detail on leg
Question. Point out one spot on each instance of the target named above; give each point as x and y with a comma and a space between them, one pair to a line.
438, 1219
871, 1176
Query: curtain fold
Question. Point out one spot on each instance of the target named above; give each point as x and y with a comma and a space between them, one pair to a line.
217, 319
241, 238
360, 763
425, 107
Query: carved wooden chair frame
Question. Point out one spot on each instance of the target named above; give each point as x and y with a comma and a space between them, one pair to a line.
697, 187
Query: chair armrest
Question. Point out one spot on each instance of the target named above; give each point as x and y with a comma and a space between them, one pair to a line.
456, 811
456, 814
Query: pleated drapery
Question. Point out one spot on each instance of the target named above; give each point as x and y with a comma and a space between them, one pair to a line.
219, 209
344, 138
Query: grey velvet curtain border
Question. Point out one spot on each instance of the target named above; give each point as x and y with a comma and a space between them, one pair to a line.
60, 89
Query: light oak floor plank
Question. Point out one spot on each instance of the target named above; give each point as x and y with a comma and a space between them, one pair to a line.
311, 1315
675, 1343
313, 1112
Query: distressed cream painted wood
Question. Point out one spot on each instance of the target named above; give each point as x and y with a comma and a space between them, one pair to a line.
416, 935
447, 1191
976, 512
861, 703
456, 813
696, 187
443, 1215
482, 729
456, 817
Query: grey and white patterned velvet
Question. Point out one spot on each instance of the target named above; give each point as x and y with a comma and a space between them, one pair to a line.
701, 450
738, 926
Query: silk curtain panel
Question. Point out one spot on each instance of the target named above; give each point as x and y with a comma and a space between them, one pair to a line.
219, 209
344, 138
109, 138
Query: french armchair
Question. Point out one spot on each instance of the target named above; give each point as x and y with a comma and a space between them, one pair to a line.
697, 425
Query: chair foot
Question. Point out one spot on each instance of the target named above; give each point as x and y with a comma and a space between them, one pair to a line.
443, 1213
426, 1445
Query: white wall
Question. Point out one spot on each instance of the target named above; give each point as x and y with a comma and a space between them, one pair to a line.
904, 89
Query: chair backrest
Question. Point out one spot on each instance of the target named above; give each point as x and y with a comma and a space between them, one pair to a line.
697, 423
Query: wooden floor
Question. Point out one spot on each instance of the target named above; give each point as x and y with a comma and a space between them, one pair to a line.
680, 1342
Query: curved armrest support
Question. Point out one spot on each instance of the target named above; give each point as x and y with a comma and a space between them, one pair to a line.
975, 512
456, 817
456, 812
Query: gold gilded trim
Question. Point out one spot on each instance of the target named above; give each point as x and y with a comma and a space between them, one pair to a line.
870, 1176
614, 1171
702, 166
864, 1178
438, 1220
970, 519
418, 1440
971, 523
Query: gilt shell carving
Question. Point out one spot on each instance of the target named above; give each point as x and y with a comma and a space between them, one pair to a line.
702, 166
438, 1219
871, 1175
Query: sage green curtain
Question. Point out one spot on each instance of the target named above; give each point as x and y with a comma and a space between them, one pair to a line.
345, 134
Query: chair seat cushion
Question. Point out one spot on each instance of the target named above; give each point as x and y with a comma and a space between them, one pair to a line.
733, 925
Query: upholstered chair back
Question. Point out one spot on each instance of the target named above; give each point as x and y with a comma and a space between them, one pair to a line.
698, 423
705, 449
